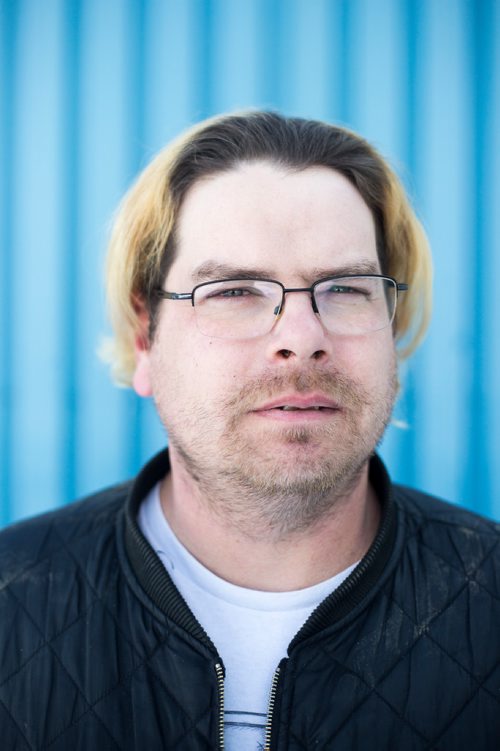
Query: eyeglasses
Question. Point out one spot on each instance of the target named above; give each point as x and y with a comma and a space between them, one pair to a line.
247, 308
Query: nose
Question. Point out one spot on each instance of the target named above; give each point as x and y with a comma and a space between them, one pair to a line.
298, 334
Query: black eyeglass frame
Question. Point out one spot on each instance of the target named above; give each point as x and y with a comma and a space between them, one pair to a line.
399, 287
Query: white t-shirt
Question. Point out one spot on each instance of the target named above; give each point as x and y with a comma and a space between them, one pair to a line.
250, 629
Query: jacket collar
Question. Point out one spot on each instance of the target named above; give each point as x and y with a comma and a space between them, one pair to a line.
158, 585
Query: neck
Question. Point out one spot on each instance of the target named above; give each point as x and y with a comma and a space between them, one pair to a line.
225, 532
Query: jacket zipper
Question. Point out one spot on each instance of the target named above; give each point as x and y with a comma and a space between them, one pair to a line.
270, 709
219, 670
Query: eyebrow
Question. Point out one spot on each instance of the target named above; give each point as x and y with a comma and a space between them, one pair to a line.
211, 270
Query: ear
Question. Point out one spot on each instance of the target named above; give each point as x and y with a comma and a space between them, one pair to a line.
141, 380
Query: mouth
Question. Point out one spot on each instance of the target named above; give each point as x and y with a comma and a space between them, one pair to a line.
298, 408
290, 408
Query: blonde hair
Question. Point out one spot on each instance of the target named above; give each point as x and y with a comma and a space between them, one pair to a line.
142, 245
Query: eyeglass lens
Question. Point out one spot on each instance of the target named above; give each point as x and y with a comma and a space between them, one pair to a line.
247, 308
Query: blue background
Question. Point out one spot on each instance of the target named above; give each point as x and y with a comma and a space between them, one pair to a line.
90, 90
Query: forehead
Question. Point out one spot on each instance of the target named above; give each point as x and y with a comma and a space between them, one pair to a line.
284, 222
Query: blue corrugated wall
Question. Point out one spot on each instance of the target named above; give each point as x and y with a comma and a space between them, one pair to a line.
90, 89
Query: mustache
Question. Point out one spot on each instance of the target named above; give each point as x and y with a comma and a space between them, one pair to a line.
337, 386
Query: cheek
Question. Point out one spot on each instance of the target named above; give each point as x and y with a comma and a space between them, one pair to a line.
372, 361
217, 366
189, 367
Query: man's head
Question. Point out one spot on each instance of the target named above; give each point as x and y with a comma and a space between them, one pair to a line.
144, 243
277, 421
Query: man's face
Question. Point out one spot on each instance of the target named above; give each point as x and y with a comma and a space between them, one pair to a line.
219, 398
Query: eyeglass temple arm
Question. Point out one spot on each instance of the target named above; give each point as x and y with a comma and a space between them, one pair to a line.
402, 287
174, 295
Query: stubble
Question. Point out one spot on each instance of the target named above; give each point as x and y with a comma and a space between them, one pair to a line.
278, 480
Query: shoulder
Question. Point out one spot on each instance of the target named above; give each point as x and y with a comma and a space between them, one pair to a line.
423, 508
61, 537
437, 529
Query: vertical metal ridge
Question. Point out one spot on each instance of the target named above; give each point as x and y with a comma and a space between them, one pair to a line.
411, 122
477, 485
136, 75
346, 62
70, 246
8, 48
132, 406
203, 52
271, 54
334, 61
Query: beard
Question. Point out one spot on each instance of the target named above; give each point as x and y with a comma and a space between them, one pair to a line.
274, 479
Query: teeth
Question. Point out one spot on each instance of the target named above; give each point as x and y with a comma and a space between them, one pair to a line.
296, 409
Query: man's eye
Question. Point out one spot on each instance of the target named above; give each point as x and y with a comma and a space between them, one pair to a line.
237, 292
230, 293
345, 290
348, 293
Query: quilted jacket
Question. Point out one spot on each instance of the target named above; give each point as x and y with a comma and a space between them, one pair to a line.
99, 651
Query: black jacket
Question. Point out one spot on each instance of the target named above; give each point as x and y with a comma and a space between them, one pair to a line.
99, 651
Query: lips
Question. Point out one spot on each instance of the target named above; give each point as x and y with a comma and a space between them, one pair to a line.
298, 409
298, 402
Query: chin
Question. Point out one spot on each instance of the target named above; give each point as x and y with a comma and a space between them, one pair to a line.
304, 469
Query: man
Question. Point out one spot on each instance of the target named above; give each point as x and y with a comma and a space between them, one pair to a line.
262, 584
